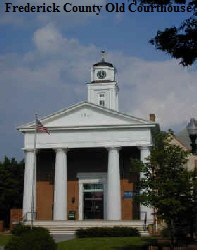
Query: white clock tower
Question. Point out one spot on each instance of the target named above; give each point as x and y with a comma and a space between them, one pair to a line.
103, 88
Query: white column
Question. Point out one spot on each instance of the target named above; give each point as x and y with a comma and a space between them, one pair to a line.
113, 185
28, 183
145, 211
60, 189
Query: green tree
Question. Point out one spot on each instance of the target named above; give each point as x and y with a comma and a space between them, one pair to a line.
187, 220
11, 187
179, 42
166, 185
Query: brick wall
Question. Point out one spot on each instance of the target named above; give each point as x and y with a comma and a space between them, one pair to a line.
1, 225
83, 160
73, 197
45, 184
15, 217
130, 209
44, 200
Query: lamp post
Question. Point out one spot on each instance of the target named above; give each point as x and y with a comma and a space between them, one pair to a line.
192, 131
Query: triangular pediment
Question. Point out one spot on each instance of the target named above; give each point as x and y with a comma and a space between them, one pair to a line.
87, 115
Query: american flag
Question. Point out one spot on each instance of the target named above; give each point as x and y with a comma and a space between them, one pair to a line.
40, 127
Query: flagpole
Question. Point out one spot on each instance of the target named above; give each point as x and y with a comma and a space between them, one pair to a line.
34, 174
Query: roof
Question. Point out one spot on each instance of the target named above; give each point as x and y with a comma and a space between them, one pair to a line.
127, 120
183, 137
180, 142
103, 63
97, 81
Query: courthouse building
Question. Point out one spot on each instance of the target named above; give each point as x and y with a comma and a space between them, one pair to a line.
83, 166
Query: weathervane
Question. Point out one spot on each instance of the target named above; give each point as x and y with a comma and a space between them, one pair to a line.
103, 55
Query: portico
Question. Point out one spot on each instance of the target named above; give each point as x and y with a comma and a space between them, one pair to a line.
57, 181
83, 166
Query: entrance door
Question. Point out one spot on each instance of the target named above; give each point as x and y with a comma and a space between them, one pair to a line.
93, 201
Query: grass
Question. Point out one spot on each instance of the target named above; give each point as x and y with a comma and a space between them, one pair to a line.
4, 239
105, 243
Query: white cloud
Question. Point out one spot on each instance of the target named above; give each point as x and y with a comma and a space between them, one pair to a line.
53, 76
164, 88
48, 39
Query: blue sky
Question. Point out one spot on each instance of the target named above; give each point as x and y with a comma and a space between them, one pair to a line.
45, 60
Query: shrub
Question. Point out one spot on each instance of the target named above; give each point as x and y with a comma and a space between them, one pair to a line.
40, 230
38, 241
36, 238
165, 233
181, 234
20, 229
107, 232
14, 244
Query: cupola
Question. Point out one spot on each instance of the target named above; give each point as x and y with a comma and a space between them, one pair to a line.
103, 89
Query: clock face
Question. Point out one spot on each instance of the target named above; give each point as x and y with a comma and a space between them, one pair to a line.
101, 74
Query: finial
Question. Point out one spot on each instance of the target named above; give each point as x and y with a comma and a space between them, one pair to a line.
103, 55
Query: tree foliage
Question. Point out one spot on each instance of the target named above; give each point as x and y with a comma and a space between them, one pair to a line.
179, 42
166, 184
11, 187
25, 237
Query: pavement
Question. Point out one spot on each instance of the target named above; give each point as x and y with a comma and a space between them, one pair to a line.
63, 237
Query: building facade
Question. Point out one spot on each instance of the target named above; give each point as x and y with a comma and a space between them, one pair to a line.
82, 168
191, 164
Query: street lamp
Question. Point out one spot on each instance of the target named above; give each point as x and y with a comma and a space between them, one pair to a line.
192, 131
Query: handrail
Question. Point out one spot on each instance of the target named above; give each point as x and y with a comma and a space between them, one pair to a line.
145, 220
24, 218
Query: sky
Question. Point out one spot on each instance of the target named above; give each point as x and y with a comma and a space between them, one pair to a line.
46, 57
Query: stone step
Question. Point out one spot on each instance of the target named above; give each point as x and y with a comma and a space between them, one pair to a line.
69, 227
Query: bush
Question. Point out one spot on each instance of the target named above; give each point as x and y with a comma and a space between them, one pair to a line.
165, 233
38, 241
180, 234
20, 229
14, 244
37, 238
107, 232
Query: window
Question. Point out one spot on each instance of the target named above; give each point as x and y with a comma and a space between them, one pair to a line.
92, 187
102, 99
102, 103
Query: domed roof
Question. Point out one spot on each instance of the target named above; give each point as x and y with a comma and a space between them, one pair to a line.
103, 62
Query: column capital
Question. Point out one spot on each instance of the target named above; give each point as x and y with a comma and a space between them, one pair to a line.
30, 150
114, 148
65, 150
144, 147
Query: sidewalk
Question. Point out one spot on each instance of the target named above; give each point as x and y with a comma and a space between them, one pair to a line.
62, 237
